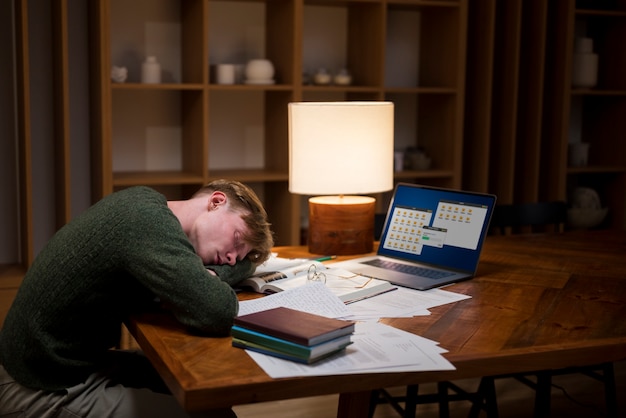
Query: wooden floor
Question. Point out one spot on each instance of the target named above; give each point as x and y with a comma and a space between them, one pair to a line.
572, 396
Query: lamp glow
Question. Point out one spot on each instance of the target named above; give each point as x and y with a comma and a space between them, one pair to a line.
342, 149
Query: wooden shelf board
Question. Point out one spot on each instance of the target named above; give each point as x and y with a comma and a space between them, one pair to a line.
249, 175
248, 87
425, 3
156, 178
595, 169
162, 86
598, 92
421, 90
600, 13
426, 174
11, 275
347, 89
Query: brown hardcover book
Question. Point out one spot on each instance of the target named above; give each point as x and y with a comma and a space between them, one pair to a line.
299, 327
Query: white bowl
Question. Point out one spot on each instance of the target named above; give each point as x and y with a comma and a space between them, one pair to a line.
586, 218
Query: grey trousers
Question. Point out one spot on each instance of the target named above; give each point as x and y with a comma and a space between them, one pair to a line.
127, 388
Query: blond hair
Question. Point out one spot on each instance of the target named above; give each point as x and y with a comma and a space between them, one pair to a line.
242, 199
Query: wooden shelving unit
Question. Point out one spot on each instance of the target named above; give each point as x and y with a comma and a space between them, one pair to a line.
298, 36
521, 108
11, 274
483, 86
595, 114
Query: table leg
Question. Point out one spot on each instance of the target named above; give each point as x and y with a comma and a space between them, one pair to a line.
354, 405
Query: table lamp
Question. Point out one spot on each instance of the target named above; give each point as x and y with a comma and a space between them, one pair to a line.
340, 151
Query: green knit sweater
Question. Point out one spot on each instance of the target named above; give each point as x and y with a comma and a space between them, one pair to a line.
117, 257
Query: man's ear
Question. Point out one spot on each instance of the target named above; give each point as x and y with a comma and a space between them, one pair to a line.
216, 199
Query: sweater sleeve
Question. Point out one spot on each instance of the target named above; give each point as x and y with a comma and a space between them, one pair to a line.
233, 274
160, 256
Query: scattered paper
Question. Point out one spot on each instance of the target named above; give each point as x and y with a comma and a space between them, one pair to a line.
313, 298
377, 348
402, 303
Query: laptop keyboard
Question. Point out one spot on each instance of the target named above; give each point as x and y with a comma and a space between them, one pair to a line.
405, 268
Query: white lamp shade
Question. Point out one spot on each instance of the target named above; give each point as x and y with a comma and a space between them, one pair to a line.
340, 147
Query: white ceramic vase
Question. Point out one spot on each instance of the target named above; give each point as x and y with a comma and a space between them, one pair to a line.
259, 70
585, 64
151, 71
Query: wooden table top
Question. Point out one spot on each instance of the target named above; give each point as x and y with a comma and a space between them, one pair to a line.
538, 302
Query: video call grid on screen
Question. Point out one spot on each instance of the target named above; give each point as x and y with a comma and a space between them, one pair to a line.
436, 226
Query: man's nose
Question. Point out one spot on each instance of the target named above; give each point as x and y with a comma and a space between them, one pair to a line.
231, 258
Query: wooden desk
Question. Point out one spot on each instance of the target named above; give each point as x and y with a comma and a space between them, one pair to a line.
538, 302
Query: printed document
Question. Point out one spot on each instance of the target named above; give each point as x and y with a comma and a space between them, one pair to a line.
377, 348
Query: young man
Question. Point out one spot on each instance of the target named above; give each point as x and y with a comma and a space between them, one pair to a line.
127, 252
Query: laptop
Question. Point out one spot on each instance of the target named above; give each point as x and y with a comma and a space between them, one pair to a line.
431, 237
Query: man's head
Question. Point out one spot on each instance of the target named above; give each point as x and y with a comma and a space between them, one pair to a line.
242, 215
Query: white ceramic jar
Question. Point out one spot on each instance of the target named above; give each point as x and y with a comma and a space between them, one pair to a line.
259, 70
585, 64
151, 71
322, 77
343, 78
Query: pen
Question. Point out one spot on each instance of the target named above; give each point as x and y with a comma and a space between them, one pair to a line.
320, 258
369, 296
325, 258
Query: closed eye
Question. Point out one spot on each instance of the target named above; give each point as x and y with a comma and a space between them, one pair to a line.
239, 246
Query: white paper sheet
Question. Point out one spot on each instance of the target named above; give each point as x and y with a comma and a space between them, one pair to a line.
402, 303
313, 298
377, 348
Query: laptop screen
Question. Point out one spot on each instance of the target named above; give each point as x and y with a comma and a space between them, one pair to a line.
436, 226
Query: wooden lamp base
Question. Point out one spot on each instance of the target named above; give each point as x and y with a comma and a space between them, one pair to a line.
341, 225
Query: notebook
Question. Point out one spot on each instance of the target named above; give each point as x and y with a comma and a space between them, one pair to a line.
431, 237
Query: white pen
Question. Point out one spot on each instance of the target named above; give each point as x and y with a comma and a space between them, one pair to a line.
369, 296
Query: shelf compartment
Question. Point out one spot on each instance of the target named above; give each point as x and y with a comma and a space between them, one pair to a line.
158, 130
429, 122
610, 187
347, 34
607, 28
424, 44
600, 122
239, 31
166, 29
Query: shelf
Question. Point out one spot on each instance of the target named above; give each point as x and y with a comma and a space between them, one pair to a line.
425, 3
160, 86
340, 89
423, 174
155, 178
596, 170
250, 87
250, 176
191, 132
421, 90
11, 275
598, 92
600, 13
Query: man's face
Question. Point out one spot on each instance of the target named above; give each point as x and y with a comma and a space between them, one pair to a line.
217, 235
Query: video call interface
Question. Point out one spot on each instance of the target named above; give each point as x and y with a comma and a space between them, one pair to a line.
453, 223
435, 227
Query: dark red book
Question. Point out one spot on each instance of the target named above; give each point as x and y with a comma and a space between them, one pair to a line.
296, 326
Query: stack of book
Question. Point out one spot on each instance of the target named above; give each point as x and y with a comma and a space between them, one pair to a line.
291, 334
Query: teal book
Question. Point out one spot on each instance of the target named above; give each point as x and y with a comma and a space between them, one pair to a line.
299, 350
284, 355
296, 326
